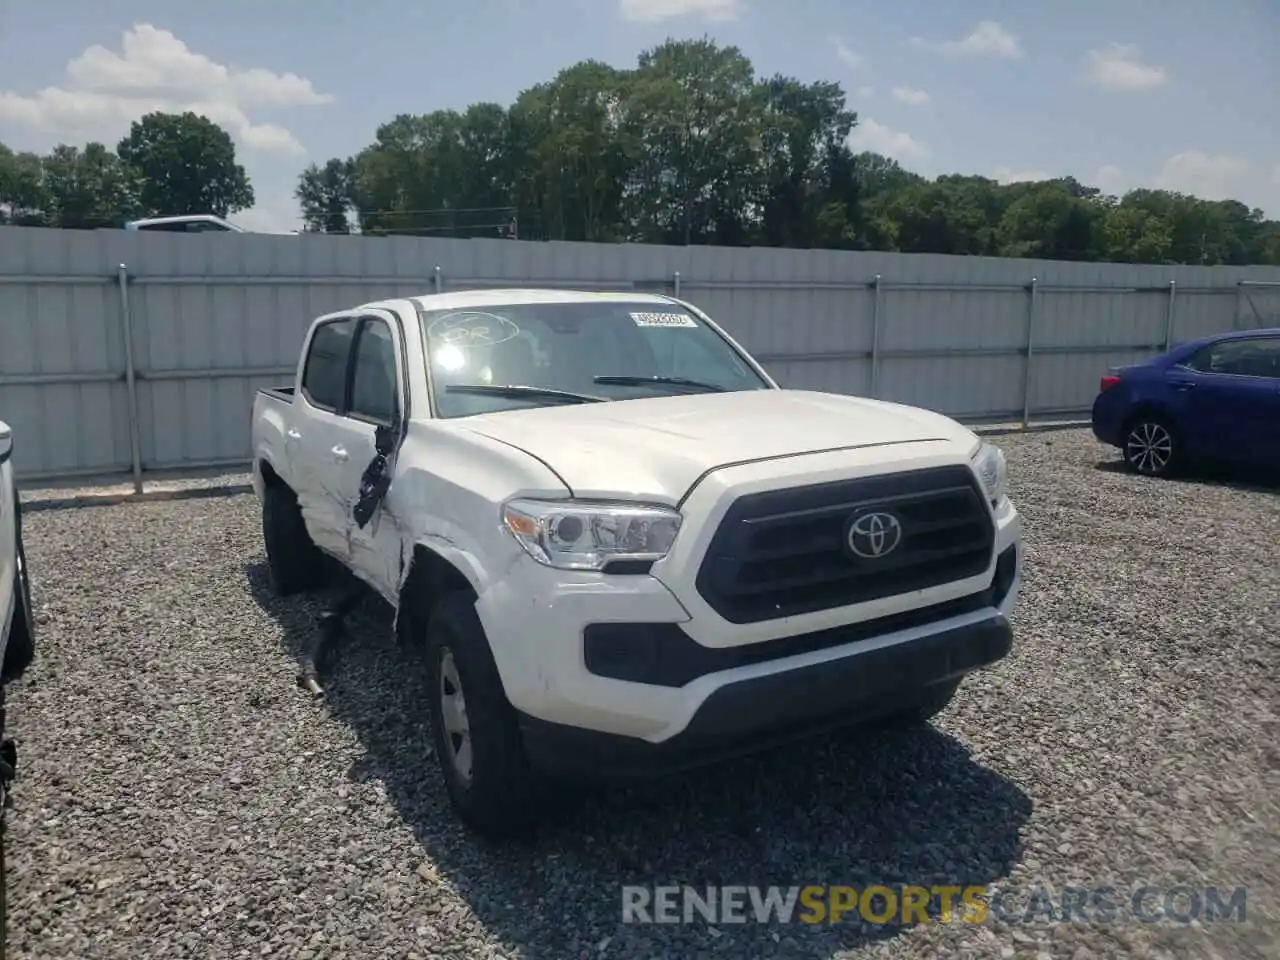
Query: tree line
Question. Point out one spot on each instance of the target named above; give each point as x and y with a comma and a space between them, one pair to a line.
688, 147
169, 164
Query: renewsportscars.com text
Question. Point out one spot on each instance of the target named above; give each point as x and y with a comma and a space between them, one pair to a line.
881, 904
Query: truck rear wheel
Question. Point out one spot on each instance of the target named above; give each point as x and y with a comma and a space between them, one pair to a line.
491, 785
295, 562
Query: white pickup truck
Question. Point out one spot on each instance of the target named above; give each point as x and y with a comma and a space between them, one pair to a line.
624, 549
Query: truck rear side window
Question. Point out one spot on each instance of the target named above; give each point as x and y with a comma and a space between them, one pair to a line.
324, 377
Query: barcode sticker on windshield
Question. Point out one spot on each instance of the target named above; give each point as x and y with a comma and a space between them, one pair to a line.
663, 320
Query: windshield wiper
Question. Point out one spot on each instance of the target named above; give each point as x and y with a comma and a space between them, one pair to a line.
661, 381
517, 391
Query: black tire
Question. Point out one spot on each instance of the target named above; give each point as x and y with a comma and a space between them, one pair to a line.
20, 651
1152, 447
500, 797
928, 705
295, 562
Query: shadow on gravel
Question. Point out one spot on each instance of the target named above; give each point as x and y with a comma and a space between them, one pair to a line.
899, 808
1239, 478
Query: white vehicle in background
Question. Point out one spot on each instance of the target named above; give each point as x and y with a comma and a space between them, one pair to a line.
17, 632
623, 547
191, 223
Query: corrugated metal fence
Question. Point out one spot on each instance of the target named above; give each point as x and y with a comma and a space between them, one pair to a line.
116, 346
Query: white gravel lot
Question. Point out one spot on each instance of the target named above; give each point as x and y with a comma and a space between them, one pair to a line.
180, 797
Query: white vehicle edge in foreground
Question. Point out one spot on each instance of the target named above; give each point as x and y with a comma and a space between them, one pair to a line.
17, 638
17, 627
647, 666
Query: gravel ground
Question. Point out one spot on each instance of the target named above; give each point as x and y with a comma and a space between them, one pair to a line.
180, 797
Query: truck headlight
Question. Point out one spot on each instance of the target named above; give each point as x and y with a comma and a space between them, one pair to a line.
993, 471
576, 535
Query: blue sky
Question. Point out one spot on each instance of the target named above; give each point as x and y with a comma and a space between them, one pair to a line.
1175, 93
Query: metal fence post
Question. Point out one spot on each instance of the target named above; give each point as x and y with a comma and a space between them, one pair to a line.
1169, 315
875, 338
675, 284
130, 380
437, 279
1031, 330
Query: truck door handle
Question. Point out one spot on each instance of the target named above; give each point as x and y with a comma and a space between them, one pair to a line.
340, 453
1183, 385
293, 434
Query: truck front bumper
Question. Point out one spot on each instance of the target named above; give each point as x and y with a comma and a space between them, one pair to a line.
759, 712
610, 673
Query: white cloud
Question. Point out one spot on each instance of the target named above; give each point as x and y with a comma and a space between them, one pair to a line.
1010, 175
846, 54
1118, 66
1109, 179
1222, 177
653, 11
1207, 176
277, 215
988, 39
875, 137
911, 96
106, 91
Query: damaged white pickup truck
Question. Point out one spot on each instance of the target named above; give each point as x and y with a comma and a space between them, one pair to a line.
624, 549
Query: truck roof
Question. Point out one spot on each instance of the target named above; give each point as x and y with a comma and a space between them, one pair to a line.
462, 299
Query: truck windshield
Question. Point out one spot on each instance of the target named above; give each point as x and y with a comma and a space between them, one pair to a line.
600, 350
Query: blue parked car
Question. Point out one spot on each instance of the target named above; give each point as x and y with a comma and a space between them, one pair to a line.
1214, 400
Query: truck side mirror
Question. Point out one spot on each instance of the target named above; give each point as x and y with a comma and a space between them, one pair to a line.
384, 439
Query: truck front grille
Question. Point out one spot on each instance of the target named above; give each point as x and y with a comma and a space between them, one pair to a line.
788, 552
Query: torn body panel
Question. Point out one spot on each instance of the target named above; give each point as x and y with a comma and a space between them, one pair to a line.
442, 490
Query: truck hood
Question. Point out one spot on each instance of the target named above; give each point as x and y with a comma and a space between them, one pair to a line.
657, 448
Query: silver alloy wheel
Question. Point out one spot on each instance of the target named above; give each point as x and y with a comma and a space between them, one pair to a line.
1149, 447
453, 711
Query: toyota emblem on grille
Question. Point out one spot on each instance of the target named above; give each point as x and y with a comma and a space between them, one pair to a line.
874, 535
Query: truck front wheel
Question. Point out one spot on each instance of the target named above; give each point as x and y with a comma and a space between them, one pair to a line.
296, 564
478, 744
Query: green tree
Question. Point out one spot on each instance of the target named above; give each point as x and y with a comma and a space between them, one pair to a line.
441, 173
938, 217
572, 159
809, 191
88, 188
689, 146
693, 120
24, 200
325, 194
1051, 220
184, 164
1133, 235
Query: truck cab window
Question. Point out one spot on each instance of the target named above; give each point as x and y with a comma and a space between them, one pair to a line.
373, 388
324, 376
